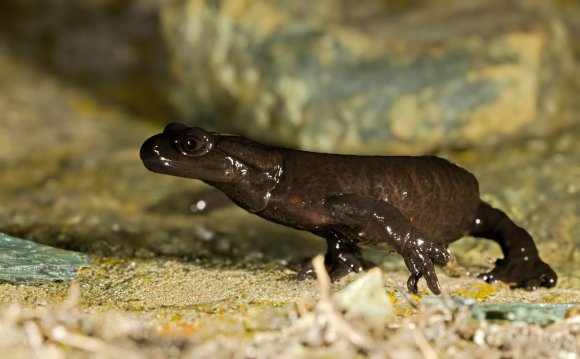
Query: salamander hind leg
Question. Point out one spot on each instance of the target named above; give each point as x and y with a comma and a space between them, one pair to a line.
521, 264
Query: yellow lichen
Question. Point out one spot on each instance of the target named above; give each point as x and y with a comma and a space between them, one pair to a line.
478, 292
392, 298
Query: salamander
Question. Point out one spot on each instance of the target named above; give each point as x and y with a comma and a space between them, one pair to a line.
412, 205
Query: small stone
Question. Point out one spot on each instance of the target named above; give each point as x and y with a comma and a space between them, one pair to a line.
573, 312
535, 313
26, 262
366, 298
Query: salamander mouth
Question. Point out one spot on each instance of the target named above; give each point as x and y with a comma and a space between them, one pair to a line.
159, 156
151, 155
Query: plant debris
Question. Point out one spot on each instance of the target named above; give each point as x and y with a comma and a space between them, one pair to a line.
339, 325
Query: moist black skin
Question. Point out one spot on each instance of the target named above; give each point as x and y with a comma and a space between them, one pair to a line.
415, 206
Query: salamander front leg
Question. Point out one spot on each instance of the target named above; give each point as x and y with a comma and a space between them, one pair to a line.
342, 257
377, 221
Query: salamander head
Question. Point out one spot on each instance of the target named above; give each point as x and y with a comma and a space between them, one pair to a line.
208, 156
188, 152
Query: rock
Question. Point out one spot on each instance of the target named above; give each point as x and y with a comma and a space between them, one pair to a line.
533, 313
356, 80
536, 313
366, 298
348, 315
23, 261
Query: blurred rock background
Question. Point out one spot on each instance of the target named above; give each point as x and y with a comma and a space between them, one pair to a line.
345, 76
112, 48
337, 75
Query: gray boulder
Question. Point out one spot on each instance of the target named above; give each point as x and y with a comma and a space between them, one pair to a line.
342, 77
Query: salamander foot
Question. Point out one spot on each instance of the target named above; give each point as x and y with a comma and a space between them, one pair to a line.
521, 273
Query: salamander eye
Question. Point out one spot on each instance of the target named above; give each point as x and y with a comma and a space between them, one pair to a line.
190, 145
